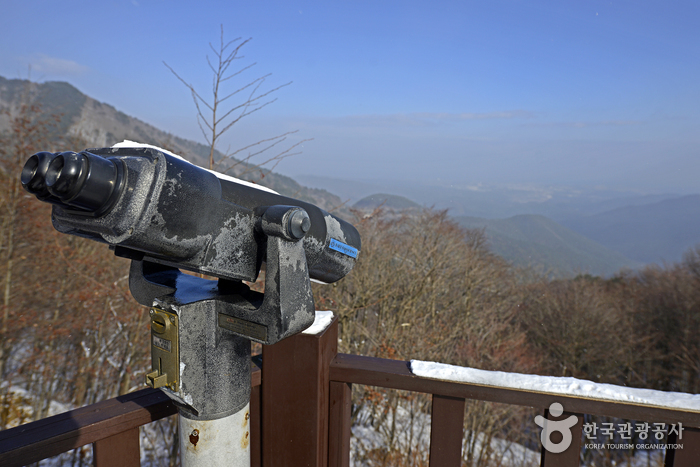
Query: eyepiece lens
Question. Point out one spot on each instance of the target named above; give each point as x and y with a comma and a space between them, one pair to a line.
29, 170
53, 175
83, 181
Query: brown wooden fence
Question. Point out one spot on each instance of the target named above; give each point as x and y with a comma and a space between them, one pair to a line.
300, 413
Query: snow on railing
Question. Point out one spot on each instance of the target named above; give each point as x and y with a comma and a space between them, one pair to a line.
557, 385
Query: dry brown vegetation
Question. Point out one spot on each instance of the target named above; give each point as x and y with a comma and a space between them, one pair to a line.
424, 288
427, 289
70, 331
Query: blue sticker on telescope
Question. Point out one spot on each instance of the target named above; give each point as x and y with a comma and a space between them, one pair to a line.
343, 248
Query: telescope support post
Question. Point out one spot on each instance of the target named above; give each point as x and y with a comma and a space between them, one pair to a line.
224, 441
200, 339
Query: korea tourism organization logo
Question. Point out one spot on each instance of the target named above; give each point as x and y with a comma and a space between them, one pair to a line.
646, 436
551, 426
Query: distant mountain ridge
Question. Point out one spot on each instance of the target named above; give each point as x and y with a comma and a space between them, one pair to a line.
101, 125
528, 240
655, 232
532, 240
384, 200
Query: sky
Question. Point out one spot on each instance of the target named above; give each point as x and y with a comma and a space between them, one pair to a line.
578, 93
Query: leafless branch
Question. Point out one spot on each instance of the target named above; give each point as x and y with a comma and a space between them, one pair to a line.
276, 158
214, 121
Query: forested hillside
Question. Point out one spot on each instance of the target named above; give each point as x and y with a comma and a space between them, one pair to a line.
426, 288
537, 242
528, 241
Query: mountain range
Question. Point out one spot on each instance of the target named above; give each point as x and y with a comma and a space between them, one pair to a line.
558, 230
595, 237
534, 241
101, 125
651, 233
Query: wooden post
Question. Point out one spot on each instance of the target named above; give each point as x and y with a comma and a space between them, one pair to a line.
120, 450
689, 455
572, 455
446, 431
295, 395
255, 432
339, 424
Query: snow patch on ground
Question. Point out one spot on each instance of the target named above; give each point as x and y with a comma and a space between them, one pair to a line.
23, 407
411, 436
645, 459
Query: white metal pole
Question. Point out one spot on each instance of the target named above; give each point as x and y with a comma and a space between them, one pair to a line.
213, 443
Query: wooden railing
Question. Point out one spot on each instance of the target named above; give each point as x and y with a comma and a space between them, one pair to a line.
301, 407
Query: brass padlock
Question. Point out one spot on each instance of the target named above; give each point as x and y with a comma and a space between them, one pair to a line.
165, 350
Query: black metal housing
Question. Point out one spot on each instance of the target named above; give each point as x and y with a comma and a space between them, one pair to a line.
166, 214
156, 207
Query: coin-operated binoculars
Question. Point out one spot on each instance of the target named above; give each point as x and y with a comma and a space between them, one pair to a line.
166, 214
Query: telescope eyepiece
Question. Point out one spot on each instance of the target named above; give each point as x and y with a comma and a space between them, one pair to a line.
34, 174
80, 181
29, 172
66, 175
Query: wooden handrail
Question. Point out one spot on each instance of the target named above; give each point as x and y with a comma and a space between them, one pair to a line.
395, 374
448, 410
54, 435
51, 436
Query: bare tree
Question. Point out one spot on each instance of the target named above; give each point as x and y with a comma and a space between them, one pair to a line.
219, 113
26, 134
570, 323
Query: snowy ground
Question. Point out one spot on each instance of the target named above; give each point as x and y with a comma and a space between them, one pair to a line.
411, 436
22, 406
645, 459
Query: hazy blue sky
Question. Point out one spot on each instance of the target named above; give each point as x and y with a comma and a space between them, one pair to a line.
499, 91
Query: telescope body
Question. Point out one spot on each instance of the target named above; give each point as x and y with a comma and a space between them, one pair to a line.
153, 206
166, 214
